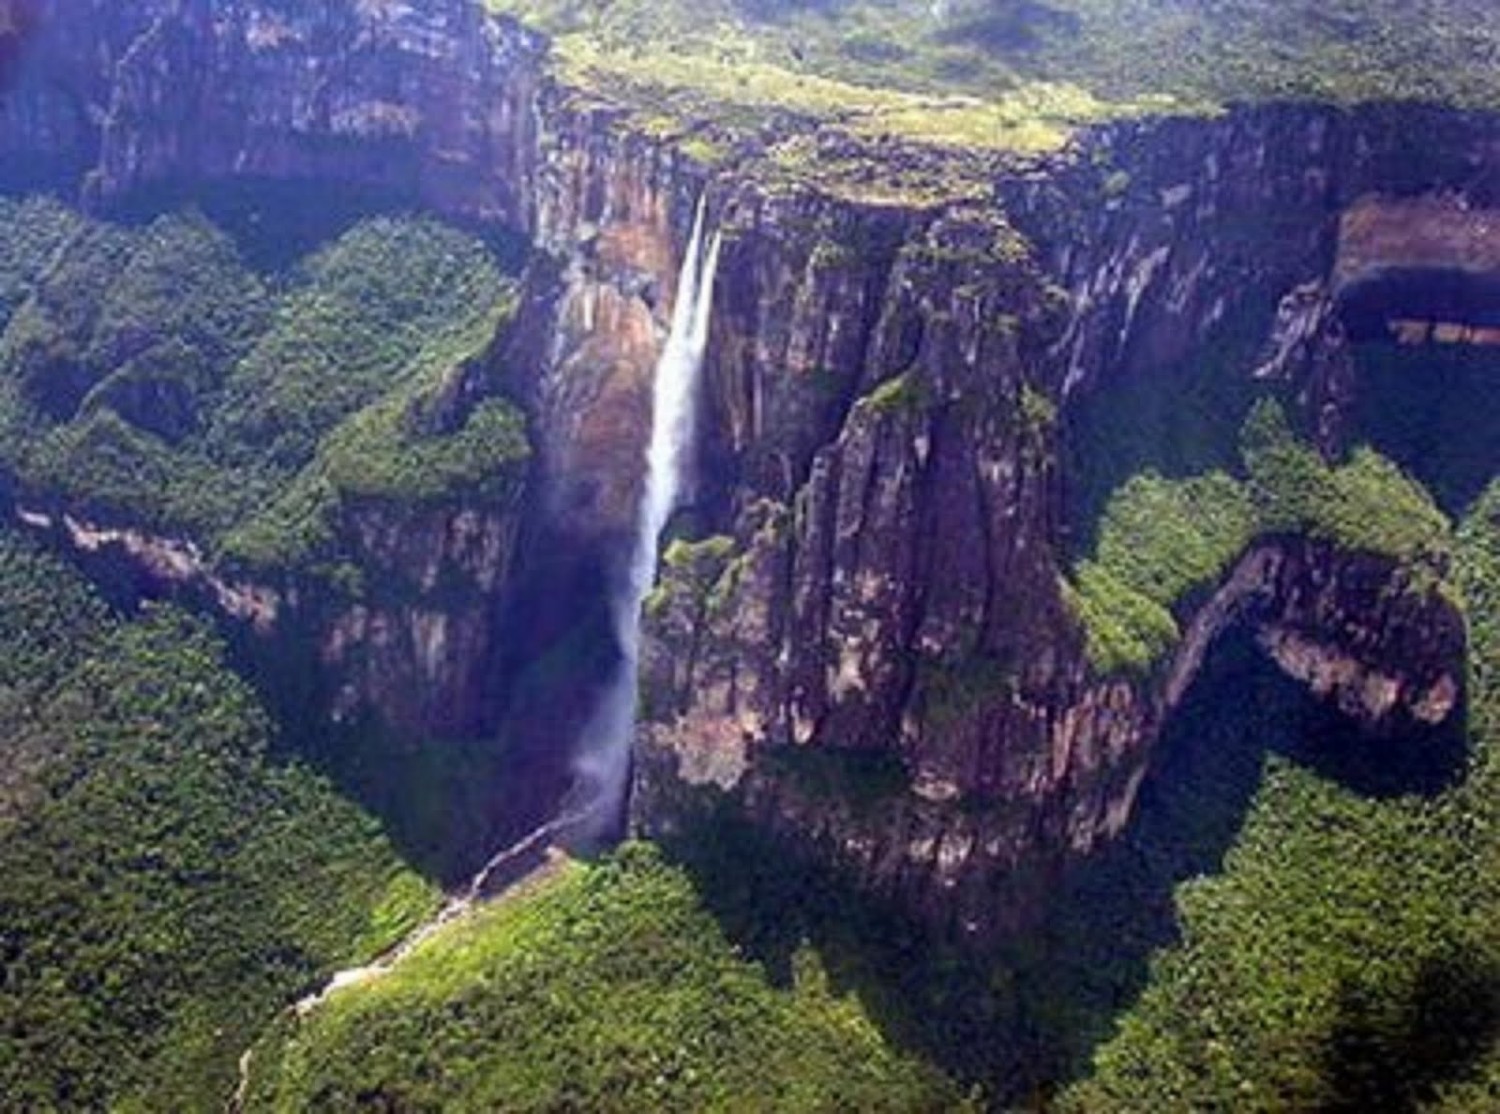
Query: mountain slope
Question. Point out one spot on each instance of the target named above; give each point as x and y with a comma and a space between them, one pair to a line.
603, 986
168, 884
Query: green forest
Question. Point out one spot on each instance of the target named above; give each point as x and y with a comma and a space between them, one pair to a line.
399, 413
169, 883
1235, 50
149, 372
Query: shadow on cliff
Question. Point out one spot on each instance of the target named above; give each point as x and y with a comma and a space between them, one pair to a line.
275, 224
1024, 1020
1090, 961
1435, 410
449, 804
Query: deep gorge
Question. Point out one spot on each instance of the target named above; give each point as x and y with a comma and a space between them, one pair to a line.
986, 490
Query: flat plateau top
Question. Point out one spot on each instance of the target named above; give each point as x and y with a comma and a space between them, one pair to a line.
839, 84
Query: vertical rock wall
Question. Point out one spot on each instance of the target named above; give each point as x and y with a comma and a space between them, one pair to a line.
897, 396
877, 661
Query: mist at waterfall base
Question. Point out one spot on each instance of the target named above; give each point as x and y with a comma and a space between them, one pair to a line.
602, 759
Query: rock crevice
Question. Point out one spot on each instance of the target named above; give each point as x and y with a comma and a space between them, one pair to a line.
915, 411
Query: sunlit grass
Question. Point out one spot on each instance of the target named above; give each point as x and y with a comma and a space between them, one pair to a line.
990, 78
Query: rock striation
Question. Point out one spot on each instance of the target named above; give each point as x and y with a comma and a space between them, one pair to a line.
899, 394
888, 598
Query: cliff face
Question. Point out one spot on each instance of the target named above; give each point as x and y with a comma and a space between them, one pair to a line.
427, 102
1219, 241
876, 660
876, 657
971, 848
906, 589
419, 649
473, 619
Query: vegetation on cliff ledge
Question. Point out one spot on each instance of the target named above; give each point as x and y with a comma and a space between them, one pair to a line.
149, 372
1338, 50
1162, 539
790, 90
967, 75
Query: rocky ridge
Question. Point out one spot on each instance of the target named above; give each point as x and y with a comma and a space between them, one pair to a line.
897, 392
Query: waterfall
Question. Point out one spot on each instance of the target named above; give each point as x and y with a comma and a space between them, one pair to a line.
603, 759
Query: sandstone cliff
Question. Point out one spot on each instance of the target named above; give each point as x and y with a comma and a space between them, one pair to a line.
883, 614
913, 410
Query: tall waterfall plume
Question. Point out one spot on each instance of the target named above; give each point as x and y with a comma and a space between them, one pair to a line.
603, 759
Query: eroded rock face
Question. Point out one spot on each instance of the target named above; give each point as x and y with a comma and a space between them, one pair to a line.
415, 648
431, 102
1179, 241
170, 564
612, 217
903, 602
886, 618
893, 392
998, 776
1380, 640
419, 648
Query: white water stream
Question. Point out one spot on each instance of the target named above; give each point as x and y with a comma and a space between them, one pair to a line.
603, 759
603, 762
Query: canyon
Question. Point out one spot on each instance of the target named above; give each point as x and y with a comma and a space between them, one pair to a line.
874, 565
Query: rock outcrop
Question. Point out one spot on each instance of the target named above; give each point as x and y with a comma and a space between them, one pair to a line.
884, 614
429, 103
877, 657
415, 648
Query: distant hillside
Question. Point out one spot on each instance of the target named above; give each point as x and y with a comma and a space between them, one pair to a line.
1197, 52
